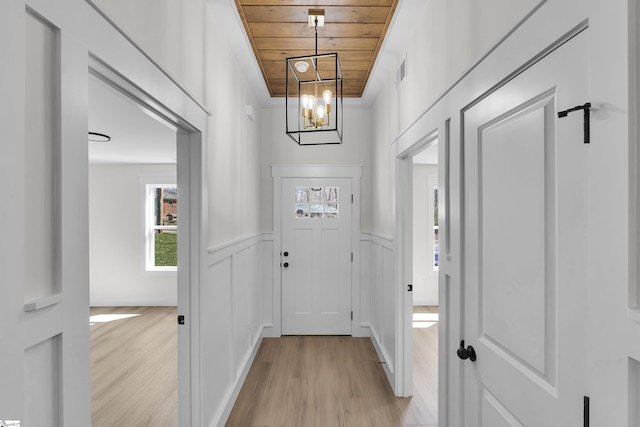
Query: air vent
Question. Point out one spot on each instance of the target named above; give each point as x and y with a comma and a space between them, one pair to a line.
402, 71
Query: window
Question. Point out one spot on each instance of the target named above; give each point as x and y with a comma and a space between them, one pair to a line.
161, 225
316, 202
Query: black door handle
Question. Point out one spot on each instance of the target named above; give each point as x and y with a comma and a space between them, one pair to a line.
285, 265
466, 353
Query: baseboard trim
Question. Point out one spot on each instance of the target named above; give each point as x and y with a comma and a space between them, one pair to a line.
239, 383
388, 370
134, 302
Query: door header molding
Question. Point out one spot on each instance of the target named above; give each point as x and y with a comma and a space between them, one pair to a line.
316, 171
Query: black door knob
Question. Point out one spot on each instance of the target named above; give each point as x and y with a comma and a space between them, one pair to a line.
466, 353
286, 253
285, 265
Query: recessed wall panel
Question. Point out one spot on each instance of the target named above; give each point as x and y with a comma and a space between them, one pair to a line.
495, 414
515, 201
42, 384
304, 270
330, 277
40, 146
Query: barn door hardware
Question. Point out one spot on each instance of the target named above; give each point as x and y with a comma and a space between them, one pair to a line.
586, 411
586, 108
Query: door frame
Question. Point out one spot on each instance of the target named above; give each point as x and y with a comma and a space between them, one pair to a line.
354, 172
191, 179
404, 261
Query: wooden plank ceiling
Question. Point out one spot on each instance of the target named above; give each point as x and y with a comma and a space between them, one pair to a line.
278, 29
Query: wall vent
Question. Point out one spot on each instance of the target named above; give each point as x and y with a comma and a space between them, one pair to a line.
402, 70
401, 73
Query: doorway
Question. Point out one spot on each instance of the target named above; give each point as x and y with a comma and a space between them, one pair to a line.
316, 256
133, 204
426, 244
187, 164
418, 258
333, 221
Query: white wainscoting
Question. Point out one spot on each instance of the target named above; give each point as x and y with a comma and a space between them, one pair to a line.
240, 304
378, 297
231, 307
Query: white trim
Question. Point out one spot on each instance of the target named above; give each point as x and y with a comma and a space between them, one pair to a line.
404, 261
231, 400
40, 303
134, 302
146, 184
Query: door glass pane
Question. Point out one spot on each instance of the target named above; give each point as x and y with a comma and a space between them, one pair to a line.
316, 210
331, 194
331, 210
302, 194
315, 194
302, 210
316, 202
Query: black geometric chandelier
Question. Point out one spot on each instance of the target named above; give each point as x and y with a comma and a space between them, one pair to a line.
314, 94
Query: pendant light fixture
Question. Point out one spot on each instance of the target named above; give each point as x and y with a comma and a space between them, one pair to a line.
314, 94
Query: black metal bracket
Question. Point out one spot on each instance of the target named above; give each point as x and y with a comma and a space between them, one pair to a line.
586, 411
587, 125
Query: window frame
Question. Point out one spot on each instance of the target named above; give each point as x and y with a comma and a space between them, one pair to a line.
147, 186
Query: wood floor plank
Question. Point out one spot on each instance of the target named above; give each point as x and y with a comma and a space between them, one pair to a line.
337, 381
297, 381
134, 368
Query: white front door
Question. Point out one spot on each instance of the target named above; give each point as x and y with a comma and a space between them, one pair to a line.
316, 256
525, 281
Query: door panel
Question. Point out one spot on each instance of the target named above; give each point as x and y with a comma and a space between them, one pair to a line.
525, 189
316, 256
514, 264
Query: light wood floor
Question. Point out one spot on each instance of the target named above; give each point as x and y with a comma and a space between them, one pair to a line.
134, 368
333, 382
294, 381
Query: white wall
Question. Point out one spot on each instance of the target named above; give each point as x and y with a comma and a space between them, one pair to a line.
278, 148
116, 233
425, 278
170, 32
235, 143
185, 39
450, 37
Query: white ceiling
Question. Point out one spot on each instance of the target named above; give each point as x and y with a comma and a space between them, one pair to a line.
136, 137
428, 156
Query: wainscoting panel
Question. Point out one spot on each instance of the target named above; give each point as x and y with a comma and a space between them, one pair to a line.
365, 281
231, 323
42, 382
383, 299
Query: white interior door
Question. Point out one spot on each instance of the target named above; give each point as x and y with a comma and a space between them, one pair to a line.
316, 256
525, 239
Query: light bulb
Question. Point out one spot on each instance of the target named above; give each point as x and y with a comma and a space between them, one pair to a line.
320, 111
305, 101
327, 96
